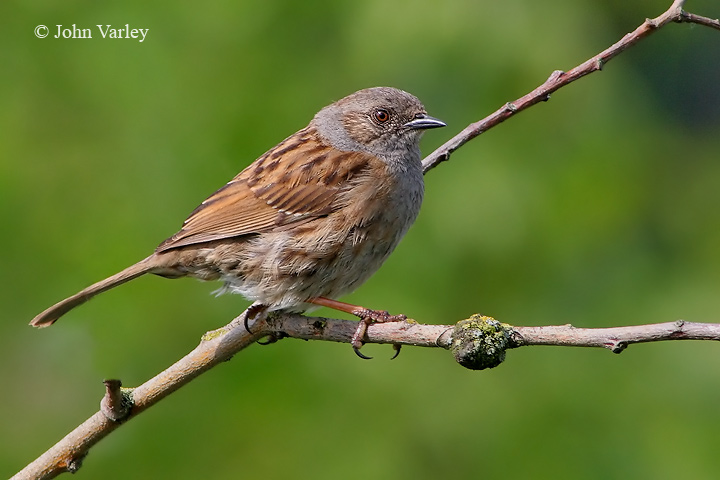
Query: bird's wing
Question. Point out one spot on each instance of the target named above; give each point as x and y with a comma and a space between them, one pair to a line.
295, 182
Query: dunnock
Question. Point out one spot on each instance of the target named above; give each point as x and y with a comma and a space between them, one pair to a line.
310, 220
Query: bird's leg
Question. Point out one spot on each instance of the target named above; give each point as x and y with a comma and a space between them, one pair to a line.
367, 318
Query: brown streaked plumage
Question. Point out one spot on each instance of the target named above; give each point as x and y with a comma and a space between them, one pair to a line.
308, 221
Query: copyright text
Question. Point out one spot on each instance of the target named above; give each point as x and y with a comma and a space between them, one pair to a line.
100, 31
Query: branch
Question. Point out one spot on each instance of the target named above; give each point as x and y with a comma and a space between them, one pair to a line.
215, 347
559, 79
692, 18
477, 343
616, 339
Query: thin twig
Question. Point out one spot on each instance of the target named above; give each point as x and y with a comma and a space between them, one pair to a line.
615, 339
700, 20
559, 79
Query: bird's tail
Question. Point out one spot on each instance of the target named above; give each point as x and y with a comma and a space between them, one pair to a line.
49, 316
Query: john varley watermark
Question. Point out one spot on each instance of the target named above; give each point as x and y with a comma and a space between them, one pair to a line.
101, 31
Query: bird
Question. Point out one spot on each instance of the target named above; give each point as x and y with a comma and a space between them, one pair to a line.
309, 221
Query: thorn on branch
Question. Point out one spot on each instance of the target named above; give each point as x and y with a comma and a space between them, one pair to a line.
117, 402
480, 342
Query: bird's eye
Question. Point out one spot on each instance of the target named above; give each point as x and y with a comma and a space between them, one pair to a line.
381, 115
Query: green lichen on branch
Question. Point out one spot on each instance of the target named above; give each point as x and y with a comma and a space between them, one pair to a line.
480, 342
213, 334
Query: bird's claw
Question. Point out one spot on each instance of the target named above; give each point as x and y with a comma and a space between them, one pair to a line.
254, 311
360, 354
396, 347
272, 338
367, 318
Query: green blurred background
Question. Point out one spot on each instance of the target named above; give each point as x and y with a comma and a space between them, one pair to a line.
598, 208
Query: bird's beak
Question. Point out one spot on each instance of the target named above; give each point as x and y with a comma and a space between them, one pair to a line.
423, 122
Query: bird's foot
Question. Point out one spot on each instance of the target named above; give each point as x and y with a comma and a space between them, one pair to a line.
367, 318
